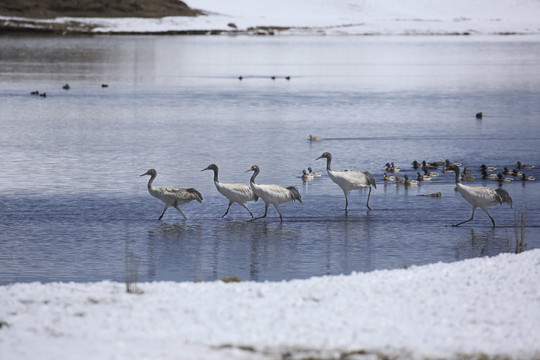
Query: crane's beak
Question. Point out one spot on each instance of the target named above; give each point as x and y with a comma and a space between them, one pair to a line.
204, 169
320, 157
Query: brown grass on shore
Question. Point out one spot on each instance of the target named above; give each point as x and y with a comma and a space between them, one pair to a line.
49, 9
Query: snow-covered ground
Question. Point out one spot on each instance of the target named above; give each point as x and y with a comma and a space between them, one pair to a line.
373, 17
480, 308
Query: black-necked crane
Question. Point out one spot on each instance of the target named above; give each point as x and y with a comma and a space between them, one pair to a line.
349, 180
272, 194
171, 196
236, 193
481, 197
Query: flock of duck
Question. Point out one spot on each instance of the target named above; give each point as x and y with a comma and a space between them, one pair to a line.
65, 87
479, 197
425, 172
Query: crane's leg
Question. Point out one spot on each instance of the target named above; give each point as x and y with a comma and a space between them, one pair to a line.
279, 212
346, 201
472, 216
369, 194
492, 221
228, 207
177, 208
245, 207
163, 213
265, 212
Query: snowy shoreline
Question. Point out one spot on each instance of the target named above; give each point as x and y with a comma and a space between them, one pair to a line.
480, 308
315, 17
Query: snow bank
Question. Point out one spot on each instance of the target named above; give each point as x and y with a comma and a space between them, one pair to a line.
353, 17
480, 307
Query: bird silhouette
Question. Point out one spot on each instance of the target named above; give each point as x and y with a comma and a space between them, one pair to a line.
349, 180
272, 194
481, 197
523, 166
171, 196
236, 193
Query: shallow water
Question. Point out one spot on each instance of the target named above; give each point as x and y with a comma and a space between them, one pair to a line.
73, 203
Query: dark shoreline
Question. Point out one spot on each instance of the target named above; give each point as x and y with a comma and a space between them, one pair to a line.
51, 9
38, 16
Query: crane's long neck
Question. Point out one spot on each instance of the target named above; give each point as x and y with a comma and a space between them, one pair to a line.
152, 177
216, 175
255, 173
328, 162
459, 186
457, 177
151, 189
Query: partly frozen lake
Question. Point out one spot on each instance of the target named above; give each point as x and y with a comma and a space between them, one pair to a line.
71, 197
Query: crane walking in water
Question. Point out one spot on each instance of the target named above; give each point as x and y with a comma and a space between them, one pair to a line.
481, 197
236, 193
171, 196
272, 194
349, 180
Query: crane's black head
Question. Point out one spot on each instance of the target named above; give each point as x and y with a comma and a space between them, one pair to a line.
150, 172
325, 155
253, 168
211, 167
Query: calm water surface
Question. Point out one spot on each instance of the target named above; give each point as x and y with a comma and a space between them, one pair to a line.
72, 203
